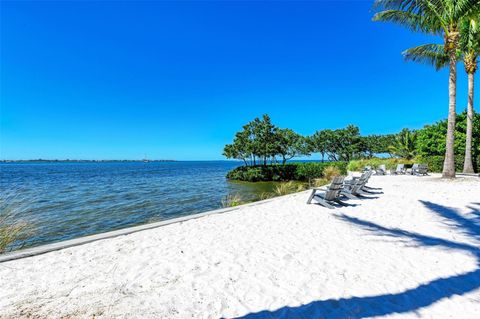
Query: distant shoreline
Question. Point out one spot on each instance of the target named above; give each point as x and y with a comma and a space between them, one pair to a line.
83, 161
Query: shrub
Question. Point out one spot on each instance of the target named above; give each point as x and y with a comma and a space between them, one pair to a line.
263, 173
435, 163
288, 188
331, 172
288, 172
266, 195
232, 200
310, 171
13, 231
390, 163
318, 182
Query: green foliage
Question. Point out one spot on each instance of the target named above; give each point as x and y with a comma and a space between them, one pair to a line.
342, 144
331, 172
263, 173
290, 144
287, 172
339, 145
377, 144
431, 138
435, 163
405, 144
288, 188
13, 231
260, 142
390, 163
432, 54
310, 171
232, 200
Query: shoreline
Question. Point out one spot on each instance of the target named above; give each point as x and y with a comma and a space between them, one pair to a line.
46, 248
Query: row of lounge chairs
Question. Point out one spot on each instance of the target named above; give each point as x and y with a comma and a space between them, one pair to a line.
417, 169
340, 188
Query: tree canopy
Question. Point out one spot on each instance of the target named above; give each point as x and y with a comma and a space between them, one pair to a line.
260, 142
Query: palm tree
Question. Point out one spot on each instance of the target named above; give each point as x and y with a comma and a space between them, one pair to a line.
439, 17
405, 144
470, 43
469, 50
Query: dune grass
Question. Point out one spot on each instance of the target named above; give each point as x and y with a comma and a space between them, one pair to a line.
13, 230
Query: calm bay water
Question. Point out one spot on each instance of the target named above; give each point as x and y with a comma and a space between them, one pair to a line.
68, 200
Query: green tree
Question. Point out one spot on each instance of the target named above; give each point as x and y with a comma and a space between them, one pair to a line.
344, 144
405, 145
290, 144
264, 138
439, 17
377, 144
255, 141
319, 142
241, 148
431, 138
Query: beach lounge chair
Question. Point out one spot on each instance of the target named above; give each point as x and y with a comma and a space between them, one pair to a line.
354, 188
381, 170
400, 170
365, 188
328, 196
420, 169
414, 168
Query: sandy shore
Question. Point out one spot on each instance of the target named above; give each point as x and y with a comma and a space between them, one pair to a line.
412, 252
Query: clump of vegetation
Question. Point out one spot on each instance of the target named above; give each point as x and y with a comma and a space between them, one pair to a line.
232, 200
288, 188
260, 142
265, 149
431, 144
331, 172
266, 195
13, 230
405, 145
304, 172
318, 182
390, 163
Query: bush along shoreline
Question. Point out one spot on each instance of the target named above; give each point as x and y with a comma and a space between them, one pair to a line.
304, 172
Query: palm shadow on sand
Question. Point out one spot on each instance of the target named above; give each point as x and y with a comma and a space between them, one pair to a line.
410, 300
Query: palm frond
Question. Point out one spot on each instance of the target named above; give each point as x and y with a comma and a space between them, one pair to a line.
431, 54
463, 8
470, 36
413, 21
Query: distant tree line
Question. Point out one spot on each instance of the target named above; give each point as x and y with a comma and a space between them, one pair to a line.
260, 142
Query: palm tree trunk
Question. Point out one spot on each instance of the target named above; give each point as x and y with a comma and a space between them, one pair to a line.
467, 165
449, 163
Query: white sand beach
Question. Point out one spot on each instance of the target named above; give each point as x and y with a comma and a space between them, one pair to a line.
413, 252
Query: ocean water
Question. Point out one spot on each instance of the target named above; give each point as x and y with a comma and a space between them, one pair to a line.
67, 200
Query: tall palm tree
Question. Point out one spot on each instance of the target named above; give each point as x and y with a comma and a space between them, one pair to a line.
470, 43
439, 17
469, 50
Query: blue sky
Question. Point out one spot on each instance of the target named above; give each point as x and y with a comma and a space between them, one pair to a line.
176, 80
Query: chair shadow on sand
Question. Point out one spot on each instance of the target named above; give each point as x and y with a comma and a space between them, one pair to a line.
410, 300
